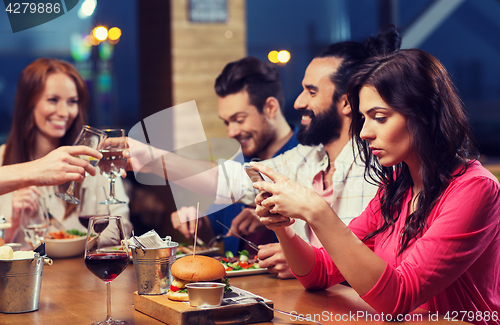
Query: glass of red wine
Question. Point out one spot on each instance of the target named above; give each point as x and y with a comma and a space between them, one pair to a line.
106, 254
90, 206
112, 163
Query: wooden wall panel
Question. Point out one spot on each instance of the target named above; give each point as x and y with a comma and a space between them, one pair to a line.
199, 53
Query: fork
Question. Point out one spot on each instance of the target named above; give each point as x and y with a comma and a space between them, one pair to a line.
56, 223
53, 221
263, 302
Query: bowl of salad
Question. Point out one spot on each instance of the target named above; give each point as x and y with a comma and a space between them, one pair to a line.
63, 244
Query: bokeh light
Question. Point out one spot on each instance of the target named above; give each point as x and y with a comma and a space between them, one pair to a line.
93, 41
114, 33
283, 56
100, 33
87, 9
273, 56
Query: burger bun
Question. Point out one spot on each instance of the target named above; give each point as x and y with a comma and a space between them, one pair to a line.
177, 296
198, 268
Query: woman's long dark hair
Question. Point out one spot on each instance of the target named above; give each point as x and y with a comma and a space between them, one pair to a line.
20, 146
415, 84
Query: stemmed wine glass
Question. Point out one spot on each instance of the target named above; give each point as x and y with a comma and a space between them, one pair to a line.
106, 254
90, 137
90, 206
34, 222
112, 163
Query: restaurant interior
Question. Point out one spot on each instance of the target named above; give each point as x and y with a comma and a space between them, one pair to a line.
160, 53
165, 57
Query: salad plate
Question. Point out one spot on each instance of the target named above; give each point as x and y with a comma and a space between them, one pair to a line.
235, 273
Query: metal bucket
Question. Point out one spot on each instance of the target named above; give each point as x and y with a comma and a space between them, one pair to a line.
20, 284
152, 268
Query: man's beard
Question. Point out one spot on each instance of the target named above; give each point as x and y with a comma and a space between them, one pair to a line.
323, 129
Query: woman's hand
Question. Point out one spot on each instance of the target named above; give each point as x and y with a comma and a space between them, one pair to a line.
272, 221
25, 198
62, 165
287, 197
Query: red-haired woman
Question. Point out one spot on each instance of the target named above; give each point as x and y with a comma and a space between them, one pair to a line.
49, 112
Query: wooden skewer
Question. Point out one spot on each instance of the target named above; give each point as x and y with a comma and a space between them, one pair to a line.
196, 227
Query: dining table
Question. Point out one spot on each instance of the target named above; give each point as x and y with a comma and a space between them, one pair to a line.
71, 294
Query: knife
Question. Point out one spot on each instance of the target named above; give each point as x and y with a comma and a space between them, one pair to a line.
245, 240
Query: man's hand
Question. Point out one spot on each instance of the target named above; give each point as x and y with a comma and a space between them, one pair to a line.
272, 258
140, 155
247, 222
184, 220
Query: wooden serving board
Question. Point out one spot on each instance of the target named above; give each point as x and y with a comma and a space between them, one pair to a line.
181, 313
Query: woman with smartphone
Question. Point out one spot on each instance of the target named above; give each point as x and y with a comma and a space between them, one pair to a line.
431, 236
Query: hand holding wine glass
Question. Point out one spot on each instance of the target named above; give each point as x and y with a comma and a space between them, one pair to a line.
90, 137
106, 254
112, 163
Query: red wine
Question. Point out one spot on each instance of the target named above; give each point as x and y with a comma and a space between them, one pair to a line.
84, 220
112, 163
107, 266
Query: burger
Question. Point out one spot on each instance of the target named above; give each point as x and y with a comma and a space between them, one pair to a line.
190, 269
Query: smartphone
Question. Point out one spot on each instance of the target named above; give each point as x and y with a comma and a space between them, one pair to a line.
254, 175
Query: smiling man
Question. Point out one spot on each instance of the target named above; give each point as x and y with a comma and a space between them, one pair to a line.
250, 103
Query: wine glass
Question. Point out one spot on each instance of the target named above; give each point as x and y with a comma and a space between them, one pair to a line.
112, 163
34, 221
90, 206
106, 254
90, 137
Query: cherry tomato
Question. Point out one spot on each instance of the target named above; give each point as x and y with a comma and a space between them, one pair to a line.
244, 265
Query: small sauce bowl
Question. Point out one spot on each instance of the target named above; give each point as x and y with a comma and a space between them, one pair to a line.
205, 294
